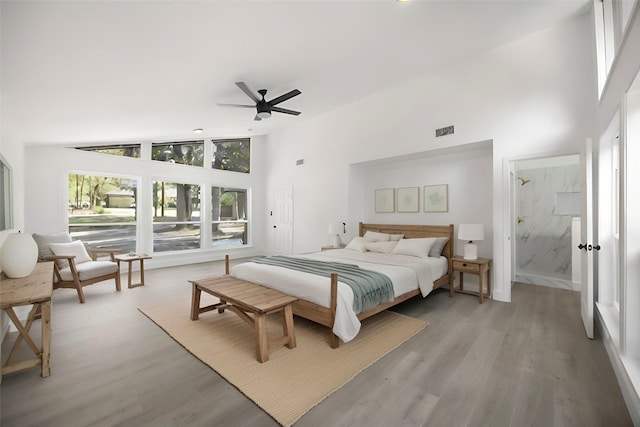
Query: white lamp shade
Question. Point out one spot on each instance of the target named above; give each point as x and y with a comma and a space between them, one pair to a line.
333, 228
19, 255
471, 232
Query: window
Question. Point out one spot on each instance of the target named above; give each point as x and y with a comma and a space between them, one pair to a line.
183, 153
232, 155
176, 216
229, 216
605, 39
615, 217
102, 211
126, 150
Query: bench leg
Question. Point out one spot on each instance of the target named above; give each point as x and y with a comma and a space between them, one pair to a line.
262, 344
195, 301
287, 323
222, 305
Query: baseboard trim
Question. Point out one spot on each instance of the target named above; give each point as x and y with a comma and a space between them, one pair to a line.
629, 392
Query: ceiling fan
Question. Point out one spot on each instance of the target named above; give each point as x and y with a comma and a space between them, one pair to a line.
262, 106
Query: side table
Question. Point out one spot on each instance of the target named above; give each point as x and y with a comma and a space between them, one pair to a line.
129, 259
480, 266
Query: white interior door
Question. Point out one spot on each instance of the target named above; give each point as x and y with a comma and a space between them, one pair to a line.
282, 242
587, 244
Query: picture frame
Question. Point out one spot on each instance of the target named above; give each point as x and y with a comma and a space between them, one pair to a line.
385, 200
436, 198
408, 199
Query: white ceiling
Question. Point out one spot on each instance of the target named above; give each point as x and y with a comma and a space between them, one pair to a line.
90, 72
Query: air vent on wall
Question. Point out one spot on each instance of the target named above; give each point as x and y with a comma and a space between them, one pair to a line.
448, 130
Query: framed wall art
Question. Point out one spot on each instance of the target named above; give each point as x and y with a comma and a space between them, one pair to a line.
408, 199
385, 200
436, 198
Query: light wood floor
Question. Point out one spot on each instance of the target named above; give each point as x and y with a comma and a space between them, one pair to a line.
527, 363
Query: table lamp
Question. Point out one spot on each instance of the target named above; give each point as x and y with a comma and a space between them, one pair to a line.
471, 232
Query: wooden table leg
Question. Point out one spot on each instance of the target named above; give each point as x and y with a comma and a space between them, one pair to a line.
461, 281
141, 272
195, 301
21, 329
289, 330
46, 338
481, 289
130, 264
489, 281
262, 344
27, 327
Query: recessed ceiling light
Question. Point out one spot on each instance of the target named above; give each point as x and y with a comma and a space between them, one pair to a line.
198, 130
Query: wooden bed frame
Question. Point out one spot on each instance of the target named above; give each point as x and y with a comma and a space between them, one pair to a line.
326, 316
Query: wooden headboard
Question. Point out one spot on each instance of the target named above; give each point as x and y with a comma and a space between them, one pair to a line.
415, 231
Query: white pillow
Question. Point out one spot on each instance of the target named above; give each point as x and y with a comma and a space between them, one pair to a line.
74, 248
379, 237
396, 237
358, 244
381, 247
414, 247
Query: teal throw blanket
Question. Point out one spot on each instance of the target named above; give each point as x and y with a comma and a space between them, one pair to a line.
370, 288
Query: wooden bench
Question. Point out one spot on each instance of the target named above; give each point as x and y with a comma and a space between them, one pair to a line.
245, 298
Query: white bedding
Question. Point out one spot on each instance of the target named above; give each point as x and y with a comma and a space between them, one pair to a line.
406, 273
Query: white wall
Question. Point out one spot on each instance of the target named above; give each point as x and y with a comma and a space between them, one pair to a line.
468, 175
46, 186
535, 96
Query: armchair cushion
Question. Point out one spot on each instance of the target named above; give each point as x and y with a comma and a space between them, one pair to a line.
89, 270
44, 240
76, 249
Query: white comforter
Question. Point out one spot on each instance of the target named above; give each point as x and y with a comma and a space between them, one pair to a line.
406, 273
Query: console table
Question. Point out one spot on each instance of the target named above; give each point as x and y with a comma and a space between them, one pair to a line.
35, 290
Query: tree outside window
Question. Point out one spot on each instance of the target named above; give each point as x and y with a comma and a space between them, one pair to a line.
176, 217
229, 216
102, 211
232, 155
184, 153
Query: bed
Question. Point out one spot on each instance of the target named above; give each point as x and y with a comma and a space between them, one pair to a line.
329, 302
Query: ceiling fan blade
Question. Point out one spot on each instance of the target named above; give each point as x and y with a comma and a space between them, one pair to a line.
284, 110
237, 105
284, 97
256, 118
243, 86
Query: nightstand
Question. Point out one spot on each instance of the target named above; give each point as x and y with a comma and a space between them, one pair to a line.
480, 266
328, 248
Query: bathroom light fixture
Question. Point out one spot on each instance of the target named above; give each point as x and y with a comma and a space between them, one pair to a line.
198, 130
471, 232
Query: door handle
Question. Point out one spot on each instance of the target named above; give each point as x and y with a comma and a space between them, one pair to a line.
596, 247
582, 246
275, 226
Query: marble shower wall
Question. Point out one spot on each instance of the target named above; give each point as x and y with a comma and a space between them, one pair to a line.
543, 240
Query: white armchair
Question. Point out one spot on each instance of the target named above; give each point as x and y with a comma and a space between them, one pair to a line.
74, 268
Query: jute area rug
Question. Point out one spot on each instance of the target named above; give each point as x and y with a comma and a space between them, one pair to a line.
294, 380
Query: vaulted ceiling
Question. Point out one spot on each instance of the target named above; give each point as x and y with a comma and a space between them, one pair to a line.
92, 71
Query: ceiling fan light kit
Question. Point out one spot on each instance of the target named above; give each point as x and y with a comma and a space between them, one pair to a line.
263, 107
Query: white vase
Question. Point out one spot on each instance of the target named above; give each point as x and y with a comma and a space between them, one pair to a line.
19, 255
